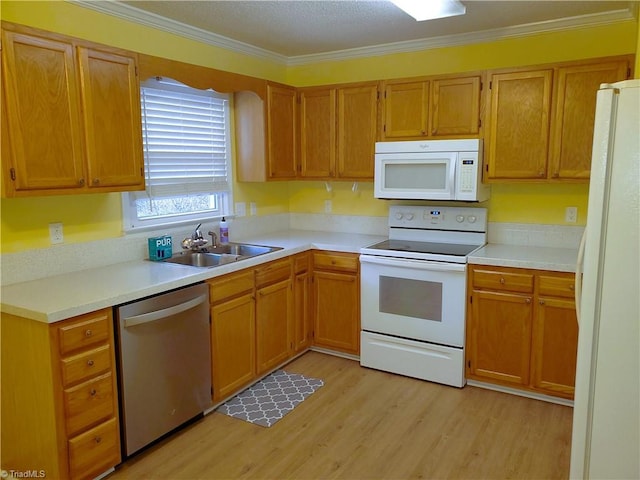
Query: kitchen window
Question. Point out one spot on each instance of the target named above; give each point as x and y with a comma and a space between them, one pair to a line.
187, 157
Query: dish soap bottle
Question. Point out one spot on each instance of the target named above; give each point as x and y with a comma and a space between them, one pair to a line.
224, 231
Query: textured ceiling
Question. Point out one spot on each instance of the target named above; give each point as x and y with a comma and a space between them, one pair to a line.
295, 28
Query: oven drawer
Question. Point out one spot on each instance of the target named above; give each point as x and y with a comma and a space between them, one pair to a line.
502, 280
422, 360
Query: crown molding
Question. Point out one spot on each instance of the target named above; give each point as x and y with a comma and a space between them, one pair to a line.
153, 20
569, 23
142, 17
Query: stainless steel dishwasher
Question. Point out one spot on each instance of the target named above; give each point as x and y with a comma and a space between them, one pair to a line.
164, 363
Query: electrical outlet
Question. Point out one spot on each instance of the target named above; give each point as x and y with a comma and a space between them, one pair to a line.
327, 206
55, 233
571, 214
253, 209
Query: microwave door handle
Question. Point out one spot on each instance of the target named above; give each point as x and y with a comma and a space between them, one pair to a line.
452, 176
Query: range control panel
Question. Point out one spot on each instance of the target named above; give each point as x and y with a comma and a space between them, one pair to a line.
467, 219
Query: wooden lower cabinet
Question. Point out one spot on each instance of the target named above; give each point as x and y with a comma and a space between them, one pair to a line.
336, 301
273, 325
302, 324
522, 329
501, 336
59, 396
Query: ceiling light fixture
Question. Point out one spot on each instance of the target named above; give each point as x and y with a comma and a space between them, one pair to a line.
430, 9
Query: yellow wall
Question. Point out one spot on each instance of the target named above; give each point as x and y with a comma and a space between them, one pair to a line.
24, 222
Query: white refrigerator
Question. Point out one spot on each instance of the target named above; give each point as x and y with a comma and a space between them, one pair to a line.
606, 417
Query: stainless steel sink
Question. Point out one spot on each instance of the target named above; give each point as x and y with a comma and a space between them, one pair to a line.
220, 254
200, 259
241, 249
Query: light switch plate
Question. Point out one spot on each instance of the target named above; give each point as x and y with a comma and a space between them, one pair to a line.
241, 209
571, 214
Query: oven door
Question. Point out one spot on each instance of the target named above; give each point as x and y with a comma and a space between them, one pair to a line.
414, 299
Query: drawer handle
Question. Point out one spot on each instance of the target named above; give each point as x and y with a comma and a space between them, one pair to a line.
90, 363
541, 302
572, 287
98, 439
88, 332
93, 392
527, 300
502, 280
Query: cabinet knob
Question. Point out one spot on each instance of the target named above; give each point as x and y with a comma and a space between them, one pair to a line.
93, 392
90, 363
572, 287
98, 439
81, 181
96, 181
541, 174
541, 302
88, 333
556, 174
527, 300
501, 280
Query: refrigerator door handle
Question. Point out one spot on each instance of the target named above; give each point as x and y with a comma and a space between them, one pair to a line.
578, 278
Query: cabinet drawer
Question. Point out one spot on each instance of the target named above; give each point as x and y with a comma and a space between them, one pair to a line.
272, 272
556, 286
88, 403
84, 331
85, 365
94, 451
335, 261
230, 285
301, 263
498, 280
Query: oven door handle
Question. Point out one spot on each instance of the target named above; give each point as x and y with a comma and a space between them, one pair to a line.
416, 264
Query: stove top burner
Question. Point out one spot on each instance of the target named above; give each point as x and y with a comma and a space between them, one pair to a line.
453, 249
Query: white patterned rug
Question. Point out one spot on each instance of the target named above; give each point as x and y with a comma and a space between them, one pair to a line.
271, 398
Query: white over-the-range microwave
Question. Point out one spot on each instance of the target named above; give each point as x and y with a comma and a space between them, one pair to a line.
430, 170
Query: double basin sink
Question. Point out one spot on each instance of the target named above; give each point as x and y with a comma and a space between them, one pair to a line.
220, 254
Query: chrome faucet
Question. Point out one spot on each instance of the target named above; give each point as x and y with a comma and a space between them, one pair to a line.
196, 241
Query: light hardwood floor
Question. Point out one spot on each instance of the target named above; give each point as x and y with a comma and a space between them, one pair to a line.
366, 424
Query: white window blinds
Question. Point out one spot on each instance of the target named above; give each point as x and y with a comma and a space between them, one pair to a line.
185, 138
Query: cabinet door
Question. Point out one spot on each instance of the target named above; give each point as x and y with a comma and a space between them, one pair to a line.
336, 311
554, 346
519, 125
318, 133
573, 121
301, 301
111, 109
455, 106
357, 121
232, 345
281, 131
43, 113
500, 337
406, 107
273, 325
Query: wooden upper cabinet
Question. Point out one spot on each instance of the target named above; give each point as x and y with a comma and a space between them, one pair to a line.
455, 106
73, 115
43, 115
357, 130
433, 107
519, 124
338, 131
281, 136
573, 120
317, 132
112, 119
406, 109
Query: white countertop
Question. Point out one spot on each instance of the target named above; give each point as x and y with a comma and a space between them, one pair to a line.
59, 297
524, 256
